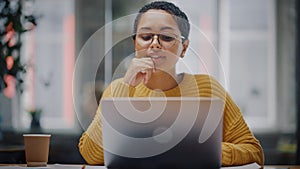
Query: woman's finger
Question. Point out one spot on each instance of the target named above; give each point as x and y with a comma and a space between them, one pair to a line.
147, 75
139, 71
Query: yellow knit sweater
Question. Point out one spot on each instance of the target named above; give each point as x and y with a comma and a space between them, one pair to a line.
239, 146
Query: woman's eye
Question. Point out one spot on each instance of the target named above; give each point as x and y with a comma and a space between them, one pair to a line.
166, 38
146, 37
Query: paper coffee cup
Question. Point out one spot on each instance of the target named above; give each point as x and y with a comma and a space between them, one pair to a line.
36, 149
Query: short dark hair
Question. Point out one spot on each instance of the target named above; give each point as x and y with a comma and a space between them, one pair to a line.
180, 16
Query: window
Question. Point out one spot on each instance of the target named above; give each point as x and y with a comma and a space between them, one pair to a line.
49, 53
247, 46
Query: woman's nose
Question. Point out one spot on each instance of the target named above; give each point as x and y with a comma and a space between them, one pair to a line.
155, 42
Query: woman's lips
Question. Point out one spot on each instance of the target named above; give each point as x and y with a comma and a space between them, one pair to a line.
156, 59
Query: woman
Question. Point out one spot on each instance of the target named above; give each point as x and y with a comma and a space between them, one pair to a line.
161, 33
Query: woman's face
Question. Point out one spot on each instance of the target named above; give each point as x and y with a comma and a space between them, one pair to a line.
158, 37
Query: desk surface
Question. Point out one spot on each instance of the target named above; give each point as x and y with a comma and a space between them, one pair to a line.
68, 166
282, 167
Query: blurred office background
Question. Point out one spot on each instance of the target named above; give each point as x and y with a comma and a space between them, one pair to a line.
248, 45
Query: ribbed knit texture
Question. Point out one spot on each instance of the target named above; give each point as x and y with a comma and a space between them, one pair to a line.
239, 146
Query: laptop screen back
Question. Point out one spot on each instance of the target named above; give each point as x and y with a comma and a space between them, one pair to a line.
161, 132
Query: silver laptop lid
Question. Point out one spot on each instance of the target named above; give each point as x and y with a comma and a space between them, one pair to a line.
160, 131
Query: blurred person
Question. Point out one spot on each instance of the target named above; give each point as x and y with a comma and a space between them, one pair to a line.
160, 38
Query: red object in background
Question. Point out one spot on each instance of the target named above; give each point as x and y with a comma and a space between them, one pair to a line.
10, 32
9, 62
10, 90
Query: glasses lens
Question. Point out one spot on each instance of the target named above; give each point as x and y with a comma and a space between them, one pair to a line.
146, 37
166, 40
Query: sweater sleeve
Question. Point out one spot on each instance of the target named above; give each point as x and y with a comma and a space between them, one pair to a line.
239, 144
90, 144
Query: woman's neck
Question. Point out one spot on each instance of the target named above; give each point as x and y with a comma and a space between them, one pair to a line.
164, 80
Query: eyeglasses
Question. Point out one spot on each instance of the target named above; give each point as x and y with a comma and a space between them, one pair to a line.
165, 39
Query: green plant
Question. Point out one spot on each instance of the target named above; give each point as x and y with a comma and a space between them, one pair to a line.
34, 112
35, 117
14, 21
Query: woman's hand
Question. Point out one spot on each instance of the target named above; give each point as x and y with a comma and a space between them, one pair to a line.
140, 70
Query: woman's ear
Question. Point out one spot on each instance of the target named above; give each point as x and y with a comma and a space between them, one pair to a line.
185, 45
134, 45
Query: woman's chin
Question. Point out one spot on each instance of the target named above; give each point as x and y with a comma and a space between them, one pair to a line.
162, 69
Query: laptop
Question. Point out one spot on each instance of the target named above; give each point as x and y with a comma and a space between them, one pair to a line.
160, 132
